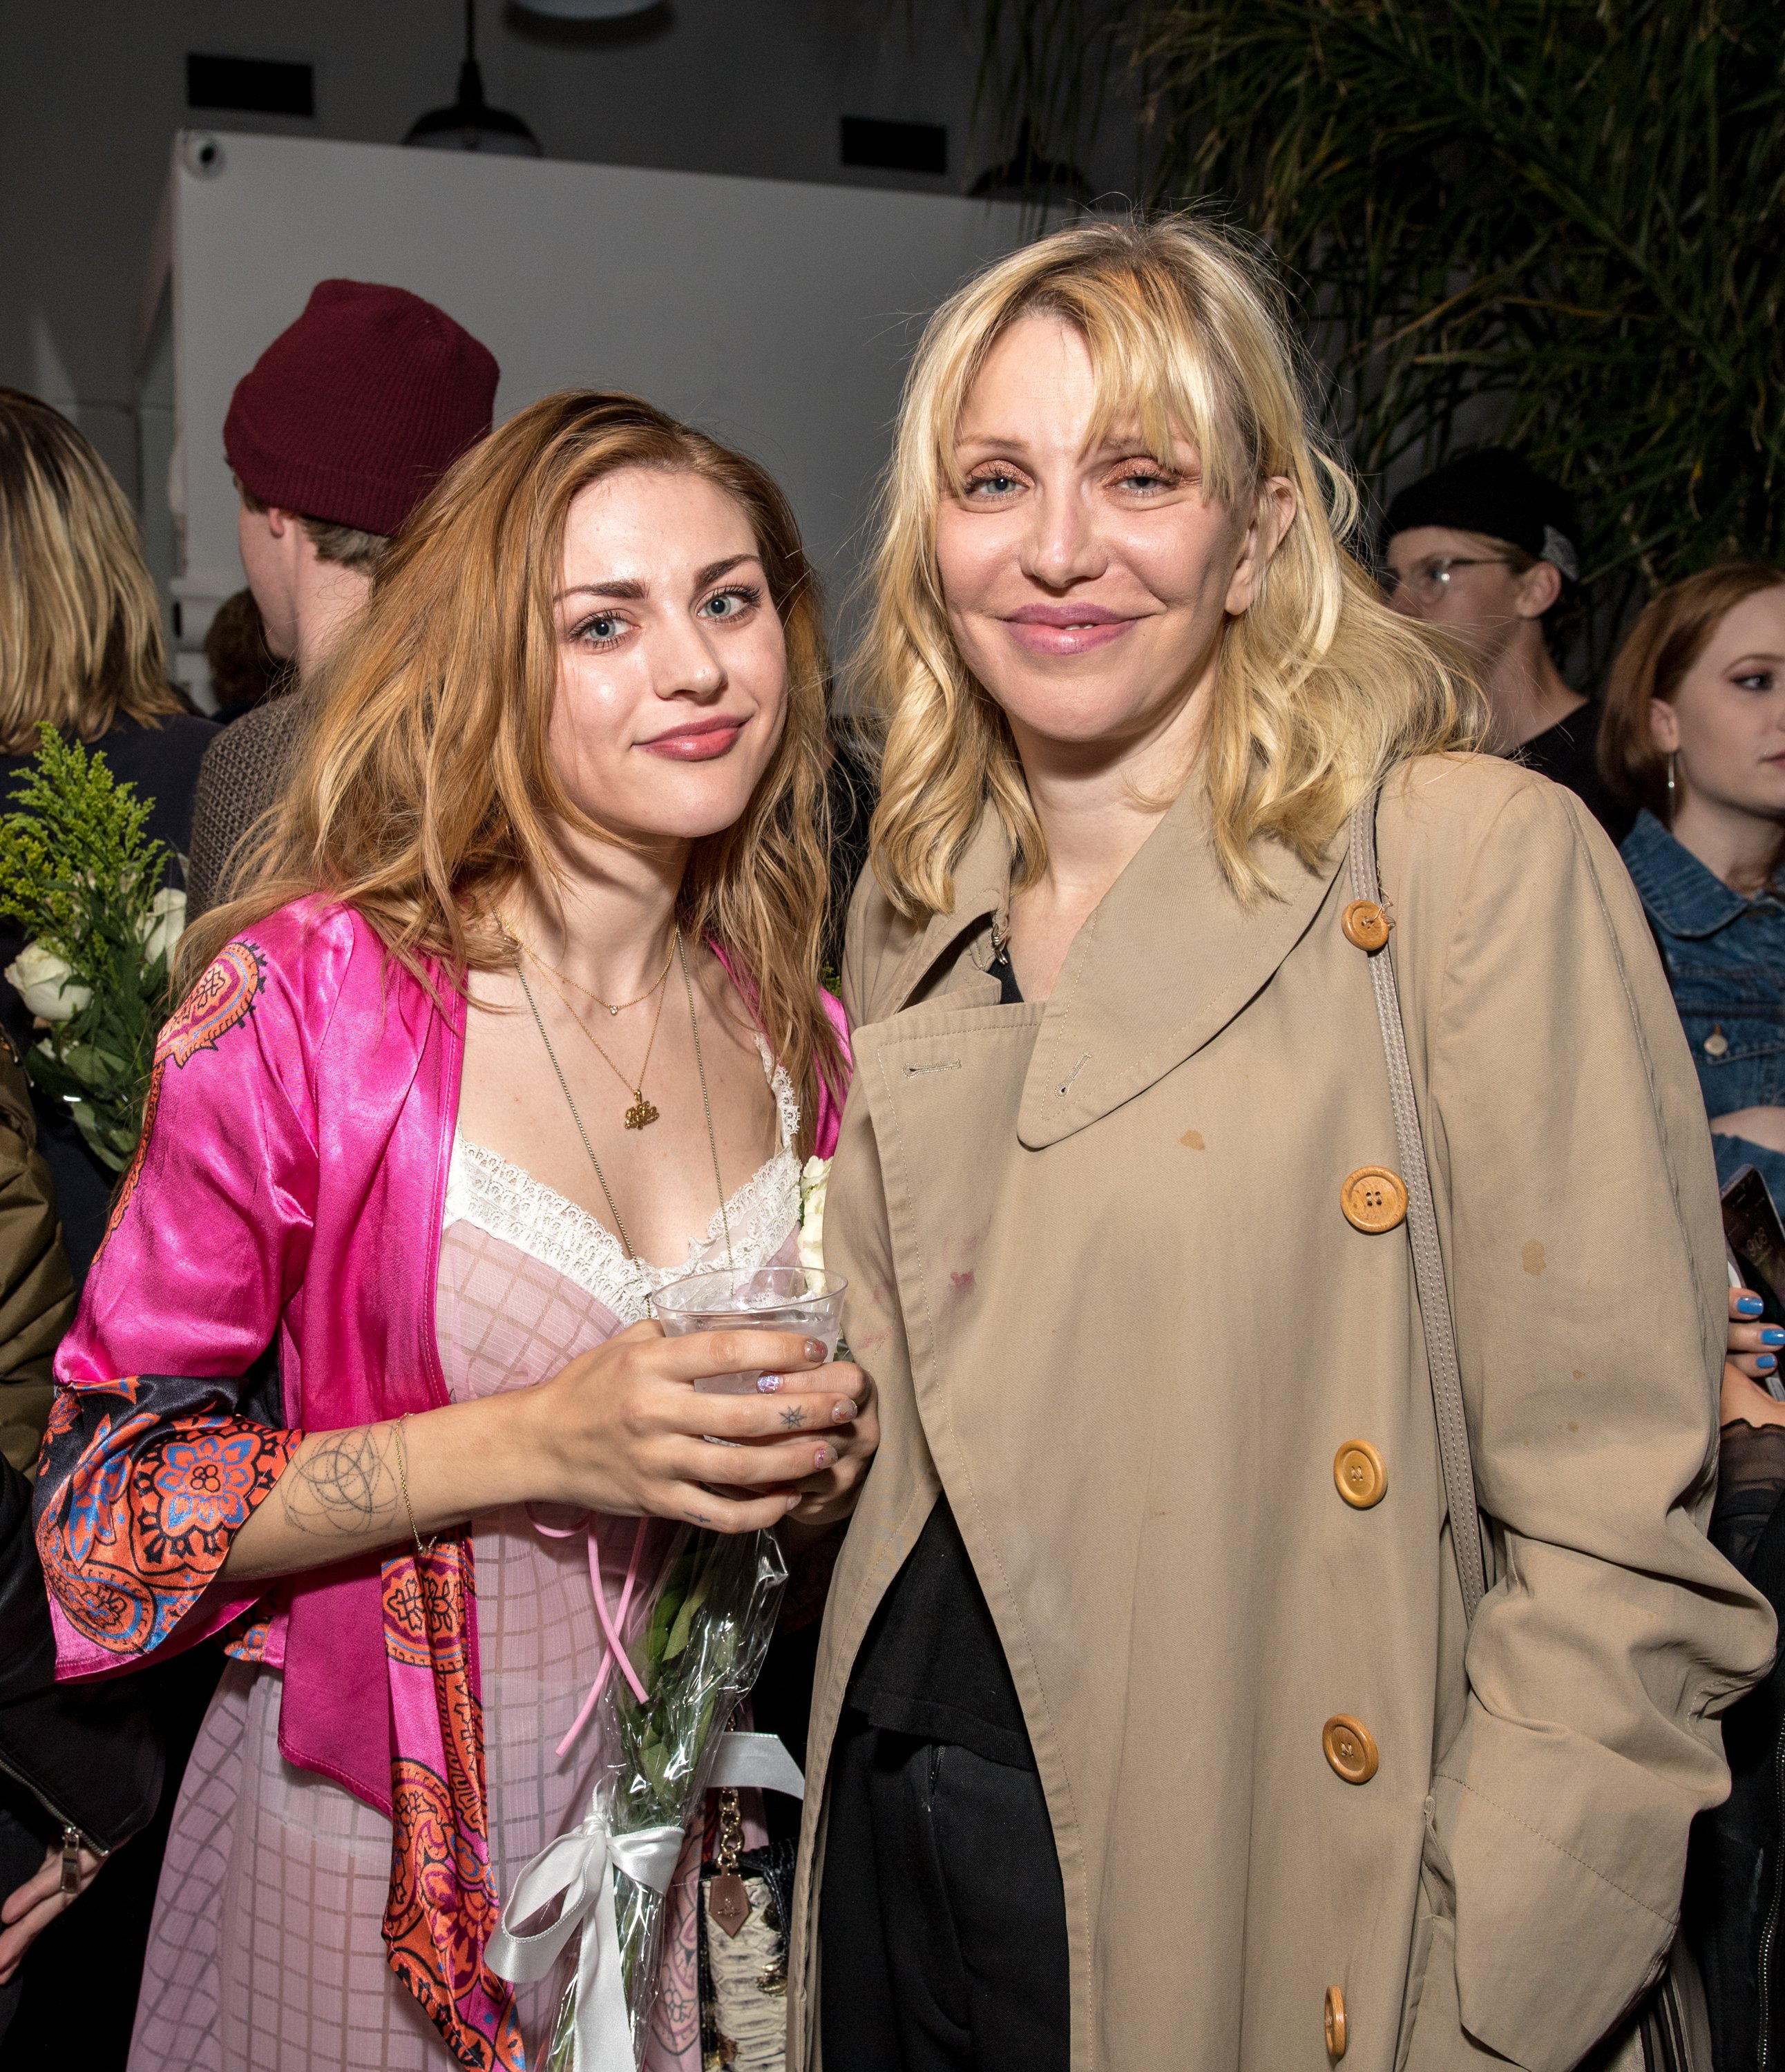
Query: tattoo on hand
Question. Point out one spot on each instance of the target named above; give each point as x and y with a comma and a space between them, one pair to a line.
347, 1486
793, 1416
697, 1518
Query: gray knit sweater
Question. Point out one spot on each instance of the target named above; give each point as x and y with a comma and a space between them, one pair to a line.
241, 777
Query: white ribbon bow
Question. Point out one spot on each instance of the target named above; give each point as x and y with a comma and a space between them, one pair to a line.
577, 1870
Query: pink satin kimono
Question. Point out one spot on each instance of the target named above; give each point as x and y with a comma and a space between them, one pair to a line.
289, 1190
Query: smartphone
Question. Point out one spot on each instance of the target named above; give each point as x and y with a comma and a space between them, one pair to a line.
1756, 1241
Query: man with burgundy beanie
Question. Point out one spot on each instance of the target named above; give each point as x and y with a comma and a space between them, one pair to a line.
338, 430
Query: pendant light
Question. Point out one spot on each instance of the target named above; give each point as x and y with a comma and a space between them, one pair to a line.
471, 124
586, 11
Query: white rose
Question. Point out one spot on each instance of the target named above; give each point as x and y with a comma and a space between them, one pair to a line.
814, 1178
45, 983
166, 922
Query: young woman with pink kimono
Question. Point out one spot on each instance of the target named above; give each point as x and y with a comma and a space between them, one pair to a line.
521, 1018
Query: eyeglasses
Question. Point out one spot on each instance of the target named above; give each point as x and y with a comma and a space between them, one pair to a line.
1431, 579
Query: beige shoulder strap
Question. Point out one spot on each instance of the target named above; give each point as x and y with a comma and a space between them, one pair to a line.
1422, 1230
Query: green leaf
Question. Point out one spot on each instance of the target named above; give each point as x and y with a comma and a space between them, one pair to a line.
79, 872
685, 1621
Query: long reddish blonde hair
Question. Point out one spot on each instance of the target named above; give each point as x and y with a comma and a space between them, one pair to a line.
426, 785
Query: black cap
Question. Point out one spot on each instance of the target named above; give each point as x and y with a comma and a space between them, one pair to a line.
1498, 492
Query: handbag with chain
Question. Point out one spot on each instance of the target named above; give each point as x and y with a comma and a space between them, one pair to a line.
1668, 2031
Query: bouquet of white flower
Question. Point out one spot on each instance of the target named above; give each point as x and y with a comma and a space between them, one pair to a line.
662, 1719
814, 1184
78, 871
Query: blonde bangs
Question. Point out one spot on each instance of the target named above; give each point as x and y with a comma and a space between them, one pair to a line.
1319, 687
1146, 379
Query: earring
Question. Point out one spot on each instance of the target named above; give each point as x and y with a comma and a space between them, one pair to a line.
1673, 761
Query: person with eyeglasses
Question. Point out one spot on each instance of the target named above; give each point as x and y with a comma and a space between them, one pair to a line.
1486, 549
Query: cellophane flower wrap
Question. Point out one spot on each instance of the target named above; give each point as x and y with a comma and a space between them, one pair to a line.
78, 871
698, 1657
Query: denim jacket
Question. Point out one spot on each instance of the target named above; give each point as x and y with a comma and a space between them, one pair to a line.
1725, 956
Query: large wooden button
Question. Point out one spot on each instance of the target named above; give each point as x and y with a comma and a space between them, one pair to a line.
1374, 1199
1335, 2023
1365, 924
1350, 1748
1359, 1472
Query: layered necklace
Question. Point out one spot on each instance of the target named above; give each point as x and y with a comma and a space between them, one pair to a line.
677, 955
642, 1112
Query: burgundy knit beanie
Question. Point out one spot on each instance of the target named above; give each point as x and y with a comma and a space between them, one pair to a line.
353, 414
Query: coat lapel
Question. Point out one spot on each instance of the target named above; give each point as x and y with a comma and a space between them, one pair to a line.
1167, 959
1163, 964
982, 878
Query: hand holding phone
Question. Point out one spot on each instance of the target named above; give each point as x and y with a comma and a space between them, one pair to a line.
1756, 1246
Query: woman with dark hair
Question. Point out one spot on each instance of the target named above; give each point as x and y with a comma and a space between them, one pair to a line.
81, 646
1693, 738
523, 997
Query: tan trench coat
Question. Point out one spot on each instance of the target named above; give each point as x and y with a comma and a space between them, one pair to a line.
1099, 1268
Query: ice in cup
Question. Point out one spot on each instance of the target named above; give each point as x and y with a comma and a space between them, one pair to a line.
804, 1300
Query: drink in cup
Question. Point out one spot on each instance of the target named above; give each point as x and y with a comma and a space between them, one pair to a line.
803, 1300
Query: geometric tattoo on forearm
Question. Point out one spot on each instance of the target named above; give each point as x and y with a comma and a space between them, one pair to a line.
347, 1487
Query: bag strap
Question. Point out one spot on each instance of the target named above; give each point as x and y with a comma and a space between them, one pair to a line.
1422, 1230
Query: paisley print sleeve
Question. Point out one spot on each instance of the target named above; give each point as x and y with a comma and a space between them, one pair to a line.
148, 1481
150, 1465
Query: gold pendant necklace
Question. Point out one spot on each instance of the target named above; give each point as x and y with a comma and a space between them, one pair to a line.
706, 1104
644, 1111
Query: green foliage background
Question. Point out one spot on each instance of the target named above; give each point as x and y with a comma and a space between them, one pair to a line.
1556, 222
78, 870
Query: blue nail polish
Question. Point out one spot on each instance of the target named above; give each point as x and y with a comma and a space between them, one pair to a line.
1749, 1305
1770, 1336
768, 1383
1766, 1361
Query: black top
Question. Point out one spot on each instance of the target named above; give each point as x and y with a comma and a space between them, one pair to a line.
1733, 1869
1565, 754
163, 763
932, 1665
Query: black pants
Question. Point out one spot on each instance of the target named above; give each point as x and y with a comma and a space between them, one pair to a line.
944, 1916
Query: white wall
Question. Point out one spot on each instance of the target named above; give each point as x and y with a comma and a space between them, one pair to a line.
96, 89
777, 316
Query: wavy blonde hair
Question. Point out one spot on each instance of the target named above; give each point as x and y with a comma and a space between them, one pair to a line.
1318, 688
426, 785
80, 639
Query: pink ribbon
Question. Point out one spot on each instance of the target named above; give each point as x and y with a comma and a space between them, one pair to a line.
613, 1625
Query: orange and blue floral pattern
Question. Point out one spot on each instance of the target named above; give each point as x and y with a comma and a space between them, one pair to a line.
142, 1488
443, 1905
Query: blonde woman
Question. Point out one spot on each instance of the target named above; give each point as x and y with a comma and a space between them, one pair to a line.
522, 1017
1146, 1732
80, 646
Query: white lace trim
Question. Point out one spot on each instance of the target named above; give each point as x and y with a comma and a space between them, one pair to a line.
787, 1103
504, 1201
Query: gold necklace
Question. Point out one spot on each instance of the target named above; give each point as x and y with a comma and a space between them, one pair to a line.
706, 1107
644, 1111
612, 1008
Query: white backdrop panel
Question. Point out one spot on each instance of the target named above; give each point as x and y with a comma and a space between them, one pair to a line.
778, 316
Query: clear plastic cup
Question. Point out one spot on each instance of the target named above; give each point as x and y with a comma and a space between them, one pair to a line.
804, 1300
